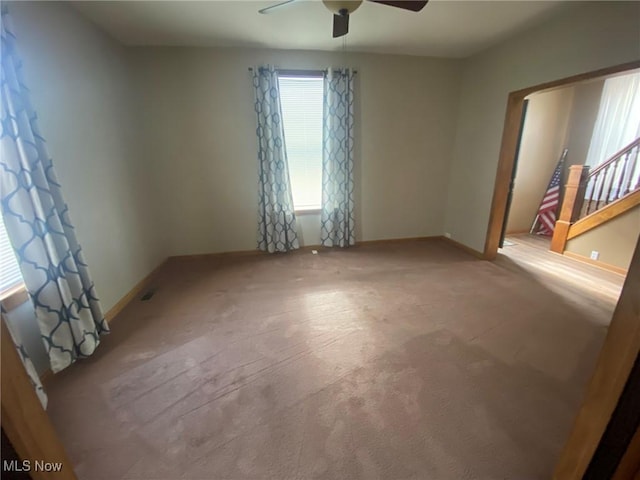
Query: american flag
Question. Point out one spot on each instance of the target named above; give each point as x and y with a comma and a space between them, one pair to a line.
547, 211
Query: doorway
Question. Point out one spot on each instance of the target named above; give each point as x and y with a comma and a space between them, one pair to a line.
510, 143
622, 343
590, 128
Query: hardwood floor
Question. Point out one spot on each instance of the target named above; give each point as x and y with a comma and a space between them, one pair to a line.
411, 360
577, 279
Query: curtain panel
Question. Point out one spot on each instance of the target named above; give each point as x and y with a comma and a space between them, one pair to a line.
37, 221
276, 217
337, 227
617, 125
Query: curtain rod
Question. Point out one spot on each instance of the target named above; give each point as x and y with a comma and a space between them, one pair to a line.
300, 72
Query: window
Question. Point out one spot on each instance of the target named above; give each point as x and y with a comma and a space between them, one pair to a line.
301, 99
10, 275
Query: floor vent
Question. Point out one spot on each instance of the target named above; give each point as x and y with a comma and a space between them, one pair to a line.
148, 295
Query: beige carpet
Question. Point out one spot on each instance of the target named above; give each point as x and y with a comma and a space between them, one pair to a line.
410, 360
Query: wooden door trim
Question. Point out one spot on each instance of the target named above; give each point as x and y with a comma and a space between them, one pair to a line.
24, 421
615, 363
509, 144
629, 466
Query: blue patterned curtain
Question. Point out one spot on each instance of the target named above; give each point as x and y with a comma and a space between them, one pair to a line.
37, 222
276, 217
337, 218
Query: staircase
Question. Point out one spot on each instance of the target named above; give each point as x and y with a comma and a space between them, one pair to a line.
594, 197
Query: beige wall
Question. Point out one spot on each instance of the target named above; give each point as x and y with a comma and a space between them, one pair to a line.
201, 135
82, 89
584, 111
156, 149
555, 119
615, 240
543, 139
583, 37
176, 148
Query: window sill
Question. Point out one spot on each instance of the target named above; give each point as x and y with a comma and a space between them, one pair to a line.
13, 297
308, 211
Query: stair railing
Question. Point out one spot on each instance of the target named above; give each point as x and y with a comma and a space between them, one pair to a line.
612, 179
587, 191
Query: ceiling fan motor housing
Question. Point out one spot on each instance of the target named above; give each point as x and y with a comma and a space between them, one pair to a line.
342, 7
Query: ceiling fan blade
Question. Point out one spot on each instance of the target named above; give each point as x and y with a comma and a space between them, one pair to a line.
277, 5
414, 6
340, 25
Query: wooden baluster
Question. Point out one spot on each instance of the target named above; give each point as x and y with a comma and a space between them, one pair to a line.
594, 193
603, 175
592, 187
634, 158
636, 166
620, 191
571, 205
612, 181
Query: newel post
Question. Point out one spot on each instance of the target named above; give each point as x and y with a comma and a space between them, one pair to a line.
571, 205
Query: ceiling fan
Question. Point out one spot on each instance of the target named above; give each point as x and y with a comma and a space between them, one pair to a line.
341, 10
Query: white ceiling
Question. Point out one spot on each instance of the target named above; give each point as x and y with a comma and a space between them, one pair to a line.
444, 28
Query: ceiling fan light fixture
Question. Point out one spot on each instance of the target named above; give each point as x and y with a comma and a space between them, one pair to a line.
342, 7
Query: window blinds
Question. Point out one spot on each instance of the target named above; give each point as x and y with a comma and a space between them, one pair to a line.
301, 100
10, 275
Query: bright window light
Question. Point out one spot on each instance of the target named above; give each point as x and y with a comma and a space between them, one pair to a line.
301, 99
10, 275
